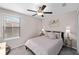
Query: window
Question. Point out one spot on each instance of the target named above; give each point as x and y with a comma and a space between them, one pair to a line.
11, 27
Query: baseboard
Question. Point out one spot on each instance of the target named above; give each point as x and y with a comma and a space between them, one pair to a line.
74, 48
21, 44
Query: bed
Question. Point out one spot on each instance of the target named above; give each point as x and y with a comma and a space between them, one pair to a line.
43, 45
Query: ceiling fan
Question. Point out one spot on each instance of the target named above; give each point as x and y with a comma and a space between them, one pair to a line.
40, 11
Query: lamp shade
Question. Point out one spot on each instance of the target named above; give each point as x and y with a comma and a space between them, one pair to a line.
67, 31
43, 30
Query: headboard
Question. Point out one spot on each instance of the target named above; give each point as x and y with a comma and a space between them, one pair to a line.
62, 33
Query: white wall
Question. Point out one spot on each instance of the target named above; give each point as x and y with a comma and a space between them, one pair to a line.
78, 31
30, 27
0, 29
68, 19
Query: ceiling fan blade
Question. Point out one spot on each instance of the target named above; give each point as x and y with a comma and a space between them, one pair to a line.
43, 7
31, 10
47, 12
34, 15
42, 15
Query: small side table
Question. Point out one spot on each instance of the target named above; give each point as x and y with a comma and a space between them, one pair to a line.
68, 42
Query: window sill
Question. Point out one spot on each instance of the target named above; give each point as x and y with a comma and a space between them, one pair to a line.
12, 38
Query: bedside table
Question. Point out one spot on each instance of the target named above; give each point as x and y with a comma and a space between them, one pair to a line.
8, 49
68, 42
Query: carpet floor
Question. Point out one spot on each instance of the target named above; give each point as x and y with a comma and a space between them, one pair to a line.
68, 51
22, 51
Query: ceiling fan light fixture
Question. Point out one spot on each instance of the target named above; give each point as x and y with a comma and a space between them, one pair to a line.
39, 13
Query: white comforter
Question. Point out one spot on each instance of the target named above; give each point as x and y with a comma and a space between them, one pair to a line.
44, 46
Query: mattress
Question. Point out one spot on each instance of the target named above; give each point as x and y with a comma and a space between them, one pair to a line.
44, 46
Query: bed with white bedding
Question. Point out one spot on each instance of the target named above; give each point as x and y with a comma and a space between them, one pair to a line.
43, 45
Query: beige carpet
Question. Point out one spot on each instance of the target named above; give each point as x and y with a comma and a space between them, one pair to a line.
20, 51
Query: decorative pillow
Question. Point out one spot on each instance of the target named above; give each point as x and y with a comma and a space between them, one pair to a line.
50, 35
58, 35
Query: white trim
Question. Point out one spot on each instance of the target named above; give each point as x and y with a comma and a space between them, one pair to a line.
12, 38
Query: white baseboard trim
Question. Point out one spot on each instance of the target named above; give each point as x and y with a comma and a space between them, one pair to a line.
74, 48
21, 44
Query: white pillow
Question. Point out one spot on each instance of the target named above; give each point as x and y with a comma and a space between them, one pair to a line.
50, 35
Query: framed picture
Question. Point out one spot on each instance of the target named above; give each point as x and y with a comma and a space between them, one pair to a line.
54, 23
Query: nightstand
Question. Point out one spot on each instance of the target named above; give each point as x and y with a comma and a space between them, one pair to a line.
8, 49
68, 42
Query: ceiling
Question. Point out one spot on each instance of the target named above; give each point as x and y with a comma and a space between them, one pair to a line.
56, 8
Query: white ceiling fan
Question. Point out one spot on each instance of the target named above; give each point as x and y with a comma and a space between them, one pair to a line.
40, 11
